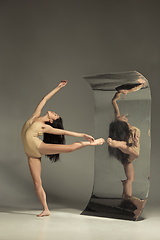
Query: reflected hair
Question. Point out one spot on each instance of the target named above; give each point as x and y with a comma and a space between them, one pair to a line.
53, 138
127, 86
119, 131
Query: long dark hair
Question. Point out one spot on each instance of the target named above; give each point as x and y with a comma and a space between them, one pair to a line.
54, 139
119, 130
127, 86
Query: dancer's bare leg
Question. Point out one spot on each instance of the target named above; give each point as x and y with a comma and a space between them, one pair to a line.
127, 184
128, 166
35, 169
60, 148
35, 165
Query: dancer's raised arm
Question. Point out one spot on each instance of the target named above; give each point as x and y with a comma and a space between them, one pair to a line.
115, 105
57, 131
38, 109
138, 87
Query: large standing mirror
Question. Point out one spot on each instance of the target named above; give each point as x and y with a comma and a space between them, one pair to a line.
122, 164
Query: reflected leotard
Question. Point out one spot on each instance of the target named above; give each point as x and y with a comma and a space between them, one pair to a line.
136, 149
30, 132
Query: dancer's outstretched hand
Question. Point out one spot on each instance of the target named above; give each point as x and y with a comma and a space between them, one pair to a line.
89, 138
62, 83
142, 81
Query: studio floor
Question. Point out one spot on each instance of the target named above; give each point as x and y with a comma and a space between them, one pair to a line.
68, 224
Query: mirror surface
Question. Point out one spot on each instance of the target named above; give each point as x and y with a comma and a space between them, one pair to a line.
122, 163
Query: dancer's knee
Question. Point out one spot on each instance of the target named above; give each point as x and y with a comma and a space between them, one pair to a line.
131, 178
38, 185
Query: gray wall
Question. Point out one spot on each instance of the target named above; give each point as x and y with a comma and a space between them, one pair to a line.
43, 42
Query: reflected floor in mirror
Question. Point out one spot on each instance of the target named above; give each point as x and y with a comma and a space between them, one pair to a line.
122, 103
68, 224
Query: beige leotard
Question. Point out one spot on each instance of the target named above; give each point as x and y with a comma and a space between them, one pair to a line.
136, 149
30, 132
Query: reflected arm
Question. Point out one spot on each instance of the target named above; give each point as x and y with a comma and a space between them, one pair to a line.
115, 105
136, 88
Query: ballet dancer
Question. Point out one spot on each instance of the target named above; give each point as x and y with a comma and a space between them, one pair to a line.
51, 125
124, 144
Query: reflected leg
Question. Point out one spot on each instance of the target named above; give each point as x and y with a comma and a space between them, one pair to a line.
128, 166
127, 184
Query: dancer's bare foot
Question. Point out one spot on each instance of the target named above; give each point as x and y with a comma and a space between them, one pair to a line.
44, 213
112, 143
140, 206
98, 141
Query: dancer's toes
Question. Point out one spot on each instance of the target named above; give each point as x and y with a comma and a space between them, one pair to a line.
98, 141
44, 213
111, 143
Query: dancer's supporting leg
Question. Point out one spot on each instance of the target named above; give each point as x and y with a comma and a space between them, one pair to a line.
35, 166
128, 166
127, 184
35, 169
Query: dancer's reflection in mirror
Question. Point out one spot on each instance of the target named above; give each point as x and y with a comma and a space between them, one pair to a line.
51, 126
124, 144
129, 88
